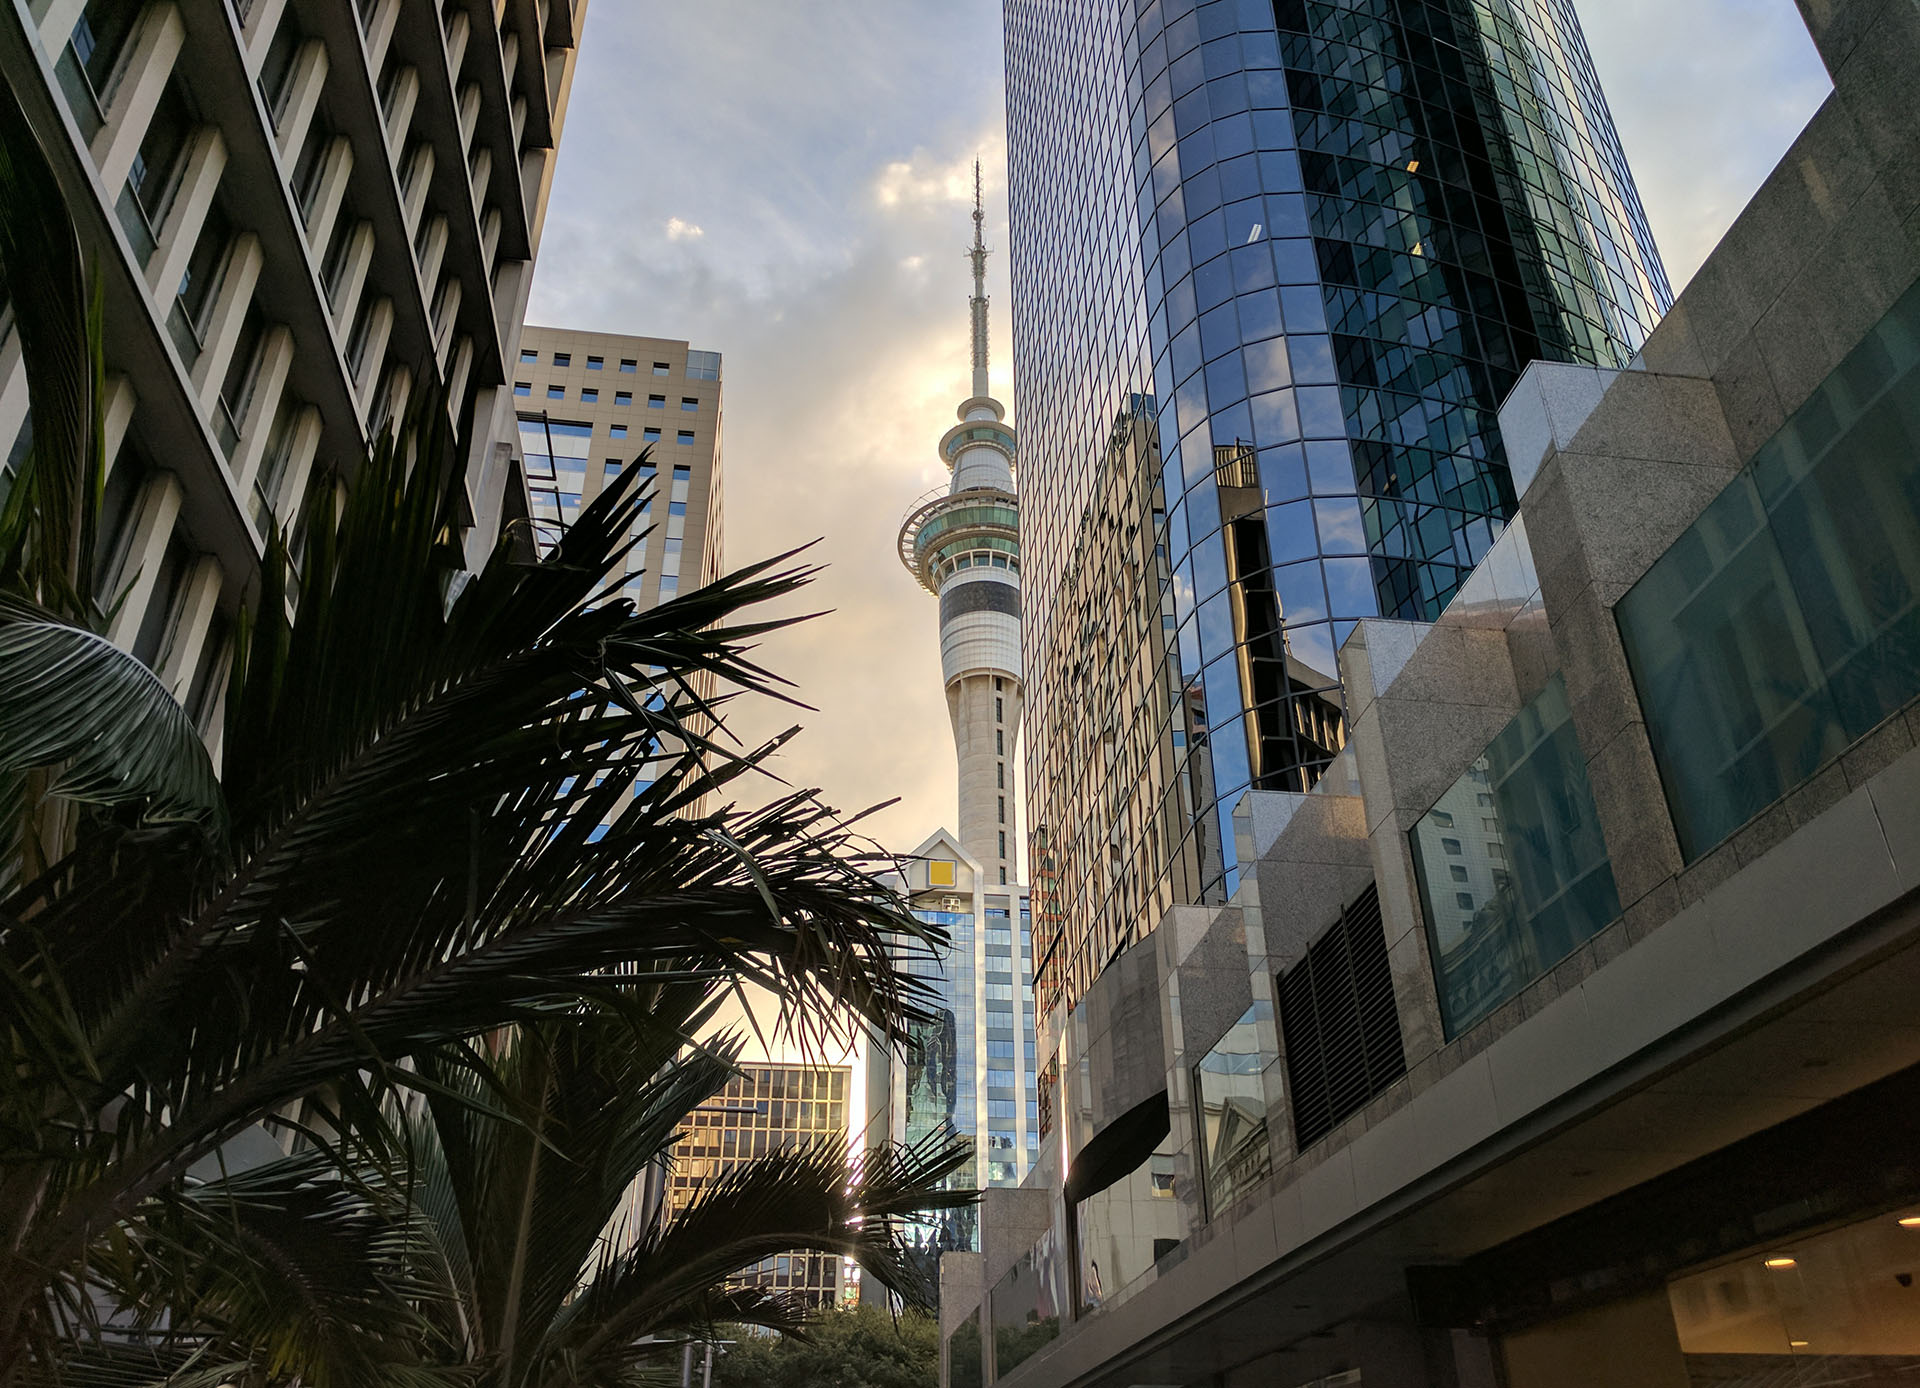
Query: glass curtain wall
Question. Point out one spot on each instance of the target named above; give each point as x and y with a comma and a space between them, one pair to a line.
1785, 623
1274, 267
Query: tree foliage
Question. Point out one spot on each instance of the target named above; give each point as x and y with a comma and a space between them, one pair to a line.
856, 1347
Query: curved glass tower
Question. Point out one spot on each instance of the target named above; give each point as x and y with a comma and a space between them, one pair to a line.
1275, 265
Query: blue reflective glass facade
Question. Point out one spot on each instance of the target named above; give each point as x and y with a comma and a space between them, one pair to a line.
1275, 265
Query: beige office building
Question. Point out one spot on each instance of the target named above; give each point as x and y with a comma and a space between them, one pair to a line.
589, 404
304, 214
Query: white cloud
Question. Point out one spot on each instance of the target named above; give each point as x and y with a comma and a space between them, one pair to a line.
681, 230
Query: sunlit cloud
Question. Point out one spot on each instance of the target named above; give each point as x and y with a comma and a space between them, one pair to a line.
678, 229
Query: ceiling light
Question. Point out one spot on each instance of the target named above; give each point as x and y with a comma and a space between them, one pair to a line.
1780, 1262
1910, 1221
1413, 166
1796, 1344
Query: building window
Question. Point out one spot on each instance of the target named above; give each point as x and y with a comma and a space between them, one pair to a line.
689, 403
1003, 843
1000, 774
563, 359
589, 396
684, 436
618, 431
528, 355
556, 392
999, 711
523, 387
1000, 741
939, 873
703, 366
1003, 809
623, 397
650, 435
1003, 877
1561, 892
628, 366
596, 363
999, 685
660, 368
656, 402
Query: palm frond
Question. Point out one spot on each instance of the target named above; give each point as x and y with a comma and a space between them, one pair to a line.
72, 701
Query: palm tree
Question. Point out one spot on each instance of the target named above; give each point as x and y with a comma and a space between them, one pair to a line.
494, 1255
402, 852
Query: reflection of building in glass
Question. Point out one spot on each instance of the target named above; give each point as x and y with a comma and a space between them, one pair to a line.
1285, 260
768, 1108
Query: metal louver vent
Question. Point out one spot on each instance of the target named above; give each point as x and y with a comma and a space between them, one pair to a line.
1337, 1017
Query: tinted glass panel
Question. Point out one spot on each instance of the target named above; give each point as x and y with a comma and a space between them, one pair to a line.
1535, 880
1783, 625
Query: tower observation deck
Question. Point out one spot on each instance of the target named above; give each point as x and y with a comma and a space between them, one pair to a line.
963, 545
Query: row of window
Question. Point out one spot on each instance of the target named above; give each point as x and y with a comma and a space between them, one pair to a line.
590, 395
701, 366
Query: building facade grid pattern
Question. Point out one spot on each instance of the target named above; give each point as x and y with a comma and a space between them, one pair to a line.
1275, 264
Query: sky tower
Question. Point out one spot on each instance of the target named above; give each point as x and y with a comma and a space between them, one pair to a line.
963, 545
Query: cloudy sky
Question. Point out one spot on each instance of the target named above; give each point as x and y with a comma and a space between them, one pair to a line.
787, 182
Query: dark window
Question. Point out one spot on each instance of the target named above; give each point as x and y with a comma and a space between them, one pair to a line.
276, 69
1339, 1022
563, 359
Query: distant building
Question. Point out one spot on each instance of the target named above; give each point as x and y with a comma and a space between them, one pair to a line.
971, 1070
765, 1109
587, 405
304, 215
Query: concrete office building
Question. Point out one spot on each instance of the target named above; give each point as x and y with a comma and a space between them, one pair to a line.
1275, 265
770, 1108
303, 214
587, 405
1562, 1036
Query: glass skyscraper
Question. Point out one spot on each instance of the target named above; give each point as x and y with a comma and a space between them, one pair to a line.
1275, 265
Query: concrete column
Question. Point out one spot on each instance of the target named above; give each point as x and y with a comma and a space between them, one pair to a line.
479, 174
416, 184
457, 374
304, 84
380, 33
336, 168
434, 250
446, 312
406, 95
469, 113
153, 522
229, 313
56, 24
148, 66
367, 379
458, 31
117, 408
489, 237
301, 452
206, 161
13, 392
392, 405
262, 24
353, 275
276, 360
199, 596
